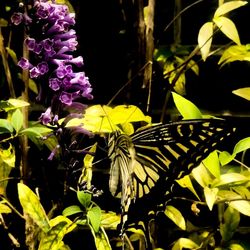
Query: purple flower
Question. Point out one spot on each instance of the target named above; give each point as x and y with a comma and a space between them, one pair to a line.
54, 151
24, 63
48, 44
63, 71
38, 48
46, 117
66, 98
52, 43
31, 43
78, 61
43, 67
34, 72
55, 83
17, 18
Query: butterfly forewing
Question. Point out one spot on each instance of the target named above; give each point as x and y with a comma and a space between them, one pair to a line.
177, 148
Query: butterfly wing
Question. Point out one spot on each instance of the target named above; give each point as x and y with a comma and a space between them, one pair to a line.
174, 149
167, 151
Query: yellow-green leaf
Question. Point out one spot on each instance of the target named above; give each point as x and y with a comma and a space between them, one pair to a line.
235, 53
60, 218
193, 66
127, 113
184, 243
12, 54
32, 206
86, 175
3, 22
18, 103
52, 240
101, 239
243, 92
104, 119
94, 216
17, 120
33, 86
7, 163
230, 223
110, 220
205, 37
229, 178
225, 158
186, 182
228, 6
4, 209
210, 196
186, 108
228, 28
235, 246
212, 164
175, 215
179, 86
242, 145
242, 206
201, 175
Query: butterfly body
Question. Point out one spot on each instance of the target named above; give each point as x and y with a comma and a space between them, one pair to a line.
165, 152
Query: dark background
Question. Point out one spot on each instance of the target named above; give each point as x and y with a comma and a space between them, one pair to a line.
107, 38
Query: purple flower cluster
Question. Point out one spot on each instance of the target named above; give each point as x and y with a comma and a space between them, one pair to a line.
52, 43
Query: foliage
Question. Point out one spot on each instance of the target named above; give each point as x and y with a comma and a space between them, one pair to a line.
48, 173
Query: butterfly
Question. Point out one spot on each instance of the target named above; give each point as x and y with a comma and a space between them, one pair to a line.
159, 152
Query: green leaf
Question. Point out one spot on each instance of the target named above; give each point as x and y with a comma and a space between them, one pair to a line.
175, 215
60, 218
242, 206
102, 118
32, 206
186, 108
110, 220
242, 145
193, 66
205, 37
94, 215
229, 178
228, 28
243, 92
235, 246
84, 198
186, 182
4, 209
33, 86
3, 22
243, 191
74, 209
7, 163
228, 6
231, 220
202, 176
17, 120
225, 158
12, 54
210, 196
52, 240
235, 201
212, 164
82, 222
38, 131
5, 126
184, 243
101, 239
235, 53
17, 103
